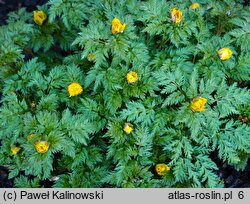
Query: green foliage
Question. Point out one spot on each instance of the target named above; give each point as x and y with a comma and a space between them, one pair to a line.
175, 63
24, 182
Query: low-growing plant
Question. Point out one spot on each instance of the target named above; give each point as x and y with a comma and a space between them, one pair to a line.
123, 93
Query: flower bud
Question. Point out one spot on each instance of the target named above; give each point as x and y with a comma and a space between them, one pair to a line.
195, 6
29, 137
91, 57
39, 17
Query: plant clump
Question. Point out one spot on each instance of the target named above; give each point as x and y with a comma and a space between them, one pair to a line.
143, 94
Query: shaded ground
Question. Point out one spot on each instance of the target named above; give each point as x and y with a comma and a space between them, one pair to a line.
4, 182
231, 177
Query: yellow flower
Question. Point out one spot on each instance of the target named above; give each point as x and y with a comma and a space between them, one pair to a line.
117, 26
195, 6
30, 136
15, 149
128, 128
176, 15
225, 53
74, 89
91, 57
161, 169
198, 104
132, 77
39, 17
42, 146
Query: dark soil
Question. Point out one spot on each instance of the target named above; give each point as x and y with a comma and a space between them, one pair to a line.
4, 181
231, 177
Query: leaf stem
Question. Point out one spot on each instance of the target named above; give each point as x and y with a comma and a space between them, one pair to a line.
182, 91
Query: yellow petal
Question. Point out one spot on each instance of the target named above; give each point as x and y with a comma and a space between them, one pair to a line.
225, 53
42, 146
195, 6
161, 169
117, 26
15, 150
128, 128
132, 77
176, 15
198, 104
74, 89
